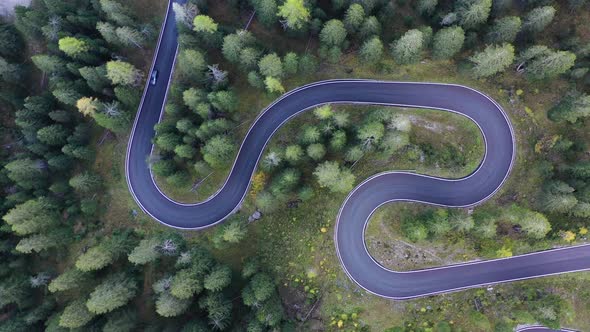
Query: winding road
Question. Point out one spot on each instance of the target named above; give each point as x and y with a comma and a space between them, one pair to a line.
540, 328
372, 193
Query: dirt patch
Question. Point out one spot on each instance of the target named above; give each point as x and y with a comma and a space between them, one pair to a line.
430, 125
390, 250
7, 6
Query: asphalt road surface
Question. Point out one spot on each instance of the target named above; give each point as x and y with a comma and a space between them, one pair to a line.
366, 197
539, 328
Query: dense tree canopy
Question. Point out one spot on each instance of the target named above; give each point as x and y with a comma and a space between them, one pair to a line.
74, 252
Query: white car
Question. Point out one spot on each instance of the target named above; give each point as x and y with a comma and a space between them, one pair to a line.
154, 77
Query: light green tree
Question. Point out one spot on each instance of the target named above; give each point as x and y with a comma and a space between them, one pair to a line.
32, 216
486, 228
130, 37
67, 93
54, 135
273, 85
473, 12
354, 17
190, 65
73, 47
224, 100
262, 286
370, 27
185, 151
249, 58
461, 222
185, 13
571, 107
195, 99
354, 153
331, 176
492, 60
448, 42
75, 315
167, 141
102, 254
440, 225
120, 72
218, 150
234, 232
234, 43
323, 112
544, 63
49, 64
251, 267
504, 30
293, 153
310, 134
316, 151
581, 210
204, 23
169, 306
534, 224
409, 47
27, 173
38, 243
271, 65
117, 12
308, 63
415, 231
186, 283
94, 259
145, 252
291, 63
538, 19
85, 182
108, 32
372, 50
333, 34
255, 80
338, 140
557, 202
218, 278
266, 11
394, 141
116, 291
294, 13
371, 133
96, 78
426, 7
69, 279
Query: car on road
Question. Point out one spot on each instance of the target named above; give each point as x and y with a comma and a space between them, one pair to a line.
154, 77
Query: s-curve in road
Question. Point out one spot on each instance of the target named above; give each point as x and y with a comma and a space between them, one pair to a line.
369, 195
